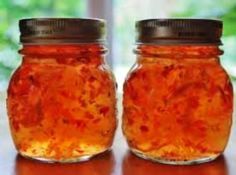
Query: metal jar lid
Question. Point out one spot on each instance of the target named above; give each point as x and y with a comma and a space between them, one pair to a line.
62, 30
179, 31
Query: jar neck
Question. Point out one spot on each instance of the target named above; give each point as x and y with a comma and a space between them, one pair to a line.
65, 49
64, 53
179, 51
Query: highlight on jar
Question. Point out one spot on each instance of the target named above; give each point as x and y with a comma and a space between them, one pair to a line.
62, 99
178, 99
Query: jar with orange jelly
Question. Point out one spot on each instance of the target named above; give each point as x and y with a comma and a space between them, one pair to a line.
61, 100
177, 97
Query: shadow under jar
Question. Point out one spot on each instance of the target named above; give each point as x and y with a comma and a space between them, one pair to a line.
61, 100
177, 97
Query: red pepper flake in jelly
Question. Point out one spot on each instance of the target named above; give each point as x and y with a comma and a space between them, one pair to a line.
61, 100
182, 90
104, 110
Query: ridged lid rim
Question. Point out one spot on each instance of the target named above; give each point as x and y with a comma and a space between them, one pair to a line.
179, 31
62, 30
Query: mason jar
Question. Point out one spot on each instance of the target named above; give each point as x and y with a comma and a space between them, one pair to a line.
178, 99
61, 100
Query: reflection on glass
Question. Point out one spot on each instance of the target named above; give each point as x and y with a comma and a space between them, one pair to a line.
102, 164
134, 165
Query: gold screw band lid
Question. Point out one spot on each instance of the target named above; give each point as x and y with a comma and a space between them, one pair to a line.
62, 30
179, 31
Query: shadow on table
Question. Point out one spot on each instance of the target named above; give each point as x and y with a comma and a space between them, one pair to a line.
137, 166
102, 165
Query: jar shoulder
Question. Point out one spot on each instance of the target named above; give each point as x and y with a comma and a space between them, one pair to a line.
29, 75
170, 70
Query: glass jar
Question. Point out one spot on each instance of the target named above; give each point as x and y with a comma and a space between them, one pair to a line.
177, 97
61, 100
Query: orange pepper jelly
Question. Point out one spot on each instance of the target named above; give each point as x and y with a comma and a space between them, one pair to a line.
61, 100
177, 98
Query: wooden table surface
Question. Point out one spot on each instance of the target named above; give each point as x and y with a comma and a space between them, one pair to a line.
119, 161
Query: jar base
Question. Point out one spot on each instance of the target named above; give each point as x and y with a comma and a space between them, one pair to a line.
69, 160
174, 162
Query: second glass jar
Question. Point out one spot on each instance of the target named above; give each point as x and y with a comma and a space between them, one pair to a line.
178, 98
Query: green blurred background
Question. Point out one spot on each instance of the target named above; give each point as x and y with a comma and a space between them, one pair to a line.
125, 13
